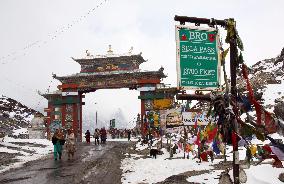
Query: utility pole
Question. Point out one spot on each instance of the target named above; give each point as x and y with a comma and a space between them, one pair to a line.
233, 68
96, 118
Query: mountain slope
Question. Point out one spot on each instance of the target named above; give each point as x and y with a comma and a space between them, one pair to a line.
267, 77
14, 115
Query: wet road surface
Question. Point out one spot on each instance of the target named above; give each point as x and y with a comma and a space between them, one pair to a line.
91, 164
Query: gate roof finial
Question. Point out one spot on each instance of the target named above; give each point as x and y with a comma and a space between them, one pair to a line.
109, 52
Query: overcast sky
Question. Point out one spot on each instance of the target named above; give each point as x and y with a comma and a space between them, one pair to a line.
38, 38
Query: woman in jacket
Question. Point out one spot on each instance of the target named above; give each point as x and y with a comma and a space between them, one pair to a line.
70, 143
57, 141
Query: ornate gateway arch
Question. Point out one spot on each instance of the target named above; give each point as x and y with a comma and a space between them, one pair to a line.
100, 72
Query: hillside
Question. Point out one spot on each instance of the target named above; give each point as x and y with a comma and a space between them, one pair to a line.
14, 115
267, 79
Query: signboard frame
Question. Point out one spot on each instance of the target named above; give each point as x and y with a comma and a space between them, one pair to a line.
178, 57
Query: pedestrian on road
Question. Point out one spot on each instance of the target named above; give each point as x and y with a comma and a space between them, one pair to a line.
128, 134
88, 136
103, 134
97, 135
70, 143
58, 141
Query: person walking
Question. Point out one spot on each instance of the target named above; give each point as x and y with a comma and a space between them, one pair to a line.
97, 135
57, 141
70, 143
103, 134
129, 134
88, 136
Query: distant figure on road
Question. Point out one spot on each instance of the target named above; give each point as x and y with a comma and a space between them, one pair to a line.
103, 134
96, 136
57, 141
129, 134
70, 143
88, 136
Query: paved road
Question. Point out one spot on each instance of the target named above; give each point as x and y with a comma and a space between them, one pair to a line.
92, 164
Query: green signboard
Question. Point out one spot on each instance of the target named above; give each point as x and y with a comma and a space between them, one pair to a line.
198, 63
112, 123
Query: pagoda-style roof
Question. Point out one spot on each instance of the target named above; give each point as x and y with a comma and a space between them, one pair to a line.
100, 75
110, 62
105, 59
110, 71
52, 94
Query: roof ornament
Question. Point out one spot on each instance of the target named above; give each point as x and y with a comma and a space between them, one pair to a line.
89, 55
130, 50
109, 52
53, 75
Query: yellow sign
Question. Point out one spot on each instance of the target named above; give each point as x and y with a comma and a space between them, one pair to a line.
159, 104
156, 120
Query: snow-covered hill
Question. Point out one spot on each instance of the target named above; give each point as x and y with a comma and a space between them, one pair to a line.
14, 115
267, 79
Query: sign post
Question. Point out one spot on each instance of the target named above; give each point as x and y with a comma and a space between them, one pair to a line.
198, 65
233, 68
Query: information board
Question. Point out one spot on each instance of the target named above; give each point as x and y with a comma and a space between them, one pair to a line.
198, 65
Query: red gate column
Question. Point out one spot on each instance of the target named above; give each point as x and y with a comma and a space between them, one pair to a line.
75, 118
80, 109
142, 115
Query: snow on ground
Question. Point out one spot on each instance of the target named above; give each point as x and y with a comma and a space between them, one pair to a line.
262, 174
34, 149
212, 177
149, 170
138, 169
20, 131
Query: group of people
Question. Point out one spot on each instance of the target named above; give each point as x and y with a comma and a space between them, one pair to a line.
98, 134
59, 140
123, 133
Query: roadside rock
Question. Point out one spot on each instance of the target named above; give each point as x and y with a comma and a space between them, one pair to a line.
281, 177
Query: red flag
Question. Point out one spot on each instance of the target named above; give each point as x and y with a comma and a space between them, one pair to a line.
195, 123
251, 95
212, 134
258, 111
197, 142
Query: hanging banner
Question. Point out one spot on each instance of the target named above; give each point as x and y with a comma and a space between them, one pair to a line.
173, 118
189, 118
177, 130
198, 65
159, 104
